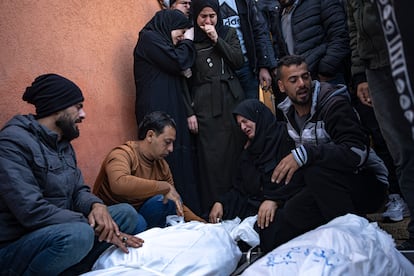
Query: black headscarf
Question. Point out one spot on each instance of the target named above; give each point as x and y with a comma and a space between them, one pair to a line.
165, 21
271, 141
197, 6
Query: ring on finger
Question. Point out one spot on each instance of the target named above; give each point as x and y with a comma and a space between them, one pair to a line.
124, 239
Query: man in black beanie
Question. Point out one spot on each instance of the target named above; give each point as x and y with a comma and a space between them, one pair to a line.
50, 222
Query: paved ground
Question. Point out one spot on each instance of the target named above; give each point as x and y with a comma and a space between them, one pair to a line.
398, 230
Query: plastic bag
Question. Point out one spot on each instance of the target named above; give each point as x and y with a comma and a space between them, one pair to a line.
173, 220
245, 232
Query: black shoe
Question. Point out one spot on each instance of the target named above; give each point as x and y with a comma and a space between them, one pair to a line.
407, 245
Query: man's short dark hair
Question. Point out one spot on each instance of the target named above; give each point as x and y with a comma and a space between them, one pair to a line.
155, 121
288, 61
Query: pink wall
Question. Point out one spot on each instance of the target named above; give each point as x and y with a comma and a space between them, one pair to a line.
90, 42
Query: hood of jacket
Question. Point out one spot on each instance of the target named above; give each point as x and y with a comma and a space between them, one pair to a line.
32, 126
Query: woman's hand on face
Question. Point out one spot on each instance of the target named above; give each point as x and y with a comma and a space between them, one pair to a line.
211, 32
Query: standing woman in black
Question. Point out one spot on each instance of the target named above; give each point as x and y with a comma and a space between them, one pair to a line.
215, 92
163, 57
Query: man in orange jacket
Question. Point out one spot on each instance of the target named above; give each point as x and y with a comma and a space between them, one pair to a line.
137, 173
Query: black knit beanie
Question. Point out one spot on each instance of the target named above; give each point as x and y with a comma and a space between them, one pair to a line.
50, 93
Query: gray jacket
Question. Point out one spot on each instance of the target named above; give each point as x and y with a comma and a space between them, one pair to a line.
40, 183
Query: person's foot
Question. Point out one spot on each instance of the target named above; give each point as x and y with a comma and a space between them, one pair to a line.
406, 245
396, 209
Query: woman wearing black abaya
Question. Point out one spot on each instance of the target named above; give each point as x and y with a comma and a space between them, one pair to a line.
162, 58
215, 92
253, 192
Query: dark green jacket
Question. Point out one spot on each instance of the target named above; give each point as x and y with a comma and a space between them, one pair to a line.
369, 50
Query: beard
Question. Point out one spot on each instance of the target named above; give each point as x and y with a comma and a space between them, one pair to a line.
302, 102
69, 129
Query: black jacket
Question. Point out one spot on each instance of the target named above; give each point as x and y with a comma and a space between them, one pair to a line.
369, 49
320, 34
332, 136
271, 13
256, 36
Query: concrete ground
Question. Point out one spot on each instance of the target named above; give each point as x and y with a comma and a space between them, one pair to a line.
398, 230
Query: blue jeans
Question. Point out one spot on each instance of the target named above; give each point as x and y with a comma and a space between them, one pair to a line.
52, 249
248, 81
396, 131
153, 213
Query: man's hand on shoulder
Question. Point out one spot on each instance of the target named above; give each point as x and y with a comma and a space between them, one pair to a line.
286, 168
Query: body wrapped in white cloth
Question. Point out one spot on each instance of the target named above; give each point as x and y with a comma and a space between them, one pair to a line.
346, 246
191, 248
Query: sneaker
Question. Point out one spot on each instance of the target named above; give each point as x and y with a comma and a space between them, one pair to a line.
396, 209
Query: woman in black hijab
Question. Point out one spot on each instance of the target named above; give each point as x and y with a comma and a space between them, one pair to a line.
163, 57
253, 192
215, 92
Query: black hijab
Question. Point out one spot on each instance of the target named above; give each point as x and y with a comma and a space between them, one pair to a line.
271, 141
165, 21
197, 6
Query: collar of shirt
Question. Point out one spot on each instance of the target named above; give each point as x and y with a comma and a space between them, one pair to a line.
290, 9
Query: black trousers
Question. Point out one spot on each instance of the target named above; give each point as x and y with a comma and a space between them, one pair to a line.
326, 195
370, 122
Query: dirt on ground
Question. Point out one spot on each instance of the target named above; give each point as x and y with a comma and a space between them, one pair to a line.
398, 230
